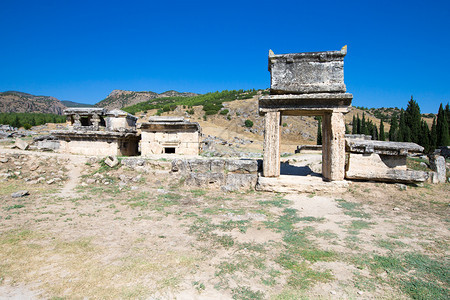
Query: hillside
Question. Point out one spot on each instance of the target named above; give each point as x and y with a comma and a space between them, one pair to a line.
118, 99
12, 101
68, 103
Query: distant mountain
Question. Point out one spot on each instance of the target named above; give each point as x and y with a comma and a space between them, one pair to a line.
68, 103
118, 98
13, 101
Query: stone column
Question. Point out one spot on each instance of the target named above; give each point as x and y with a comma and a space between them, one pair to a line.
333, 146
271, 163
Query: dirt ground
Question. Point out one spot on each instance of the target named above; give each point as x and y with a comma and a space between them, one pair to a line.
120, 233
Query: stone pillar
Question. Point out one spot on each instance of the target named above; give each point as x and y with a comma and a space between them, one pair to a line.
271, 163
333, 146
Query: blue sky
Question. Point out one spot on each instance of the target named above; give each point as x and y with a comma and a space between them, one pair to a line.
82, 50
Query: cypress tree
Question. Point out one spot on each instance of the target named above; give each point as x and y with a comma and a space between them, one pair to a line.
443, 138
413, 122
401, 127
319, 132
354, 125
447, 115
393, 131
433, 135
425, 136
364, 125
381, 136
347, 131
358, 125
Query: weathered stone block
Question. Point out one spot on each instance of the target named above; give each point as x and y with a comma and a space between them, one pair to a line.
437, 164
235, 182
217, 165
309, 72
132, 162
241, 166
205, 179
200, 165
21, 144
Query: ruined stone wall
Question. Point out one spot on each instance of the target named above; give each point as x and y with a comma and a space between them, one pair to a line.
89, 147
226, 174
186, 143
117, 123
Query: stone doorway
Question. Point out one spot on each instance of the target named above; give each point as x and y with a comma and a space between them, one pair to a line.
307, 84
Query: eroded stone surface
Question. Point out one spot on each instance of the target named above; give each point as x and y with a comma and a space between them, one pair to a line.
437, 164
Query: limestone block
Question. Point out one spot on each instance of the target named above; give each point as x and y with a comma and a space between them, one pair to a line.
111, 161
205, 179
200, 165
437, 164
235, 182
333, 148
309, 72
374, 162
180, 165
21, 144
299, 184
390, 175
241, 166
271, 164
217, 165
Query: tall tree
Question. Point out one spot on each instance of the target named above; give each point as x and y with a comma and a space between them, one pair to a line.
364, 125
393, 131
433, 135
443, 138
381, 136
358, 124
319, 132
354, 125
412, 122
424, 136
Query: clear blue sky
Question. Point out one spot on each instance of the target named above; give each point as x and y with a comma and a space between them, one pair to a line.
82, 50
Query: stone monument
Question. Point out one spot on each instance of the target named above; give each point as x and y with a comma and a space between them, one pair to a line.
311, 84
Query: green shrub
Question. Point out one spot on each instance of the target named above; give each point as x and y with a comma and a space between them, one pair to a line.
248, 123
224, 111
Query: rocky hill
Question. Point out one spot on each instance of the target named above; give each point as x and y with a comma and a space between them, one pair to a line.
12, 101
119, 98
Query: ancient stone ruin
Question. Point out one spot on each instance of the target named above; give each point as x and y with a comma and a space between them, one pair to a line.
169, 135
97, 131
381, 161
307, 84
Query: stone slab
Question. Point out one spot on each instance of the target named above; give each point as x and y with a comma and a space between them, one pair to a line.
299, 184
307, 72
389, 175
380, 147
315, 103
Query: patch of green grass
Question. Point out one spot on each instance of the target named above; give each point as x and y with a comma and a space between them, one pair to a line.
15, 206
198, 193
311, 219
390, 244
277, 202
352, 209
225, 241
245, 293
358, 225
285, 222
229, 225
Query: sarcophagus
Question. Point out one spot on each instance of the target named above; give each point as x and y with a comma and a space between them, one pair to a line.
308, 72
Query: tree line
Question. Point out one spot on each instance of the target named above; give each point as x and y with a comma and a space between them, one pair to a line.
409, 126
27, 120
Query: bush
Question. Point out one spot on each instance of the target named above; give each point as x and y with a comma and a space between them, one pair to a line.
248, 123
284, 124
224, 111
26, 126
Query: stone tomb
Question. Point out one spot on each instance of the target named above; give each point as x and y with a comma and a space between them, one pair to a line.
381, 161
170, 135
310, 84
97, 131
